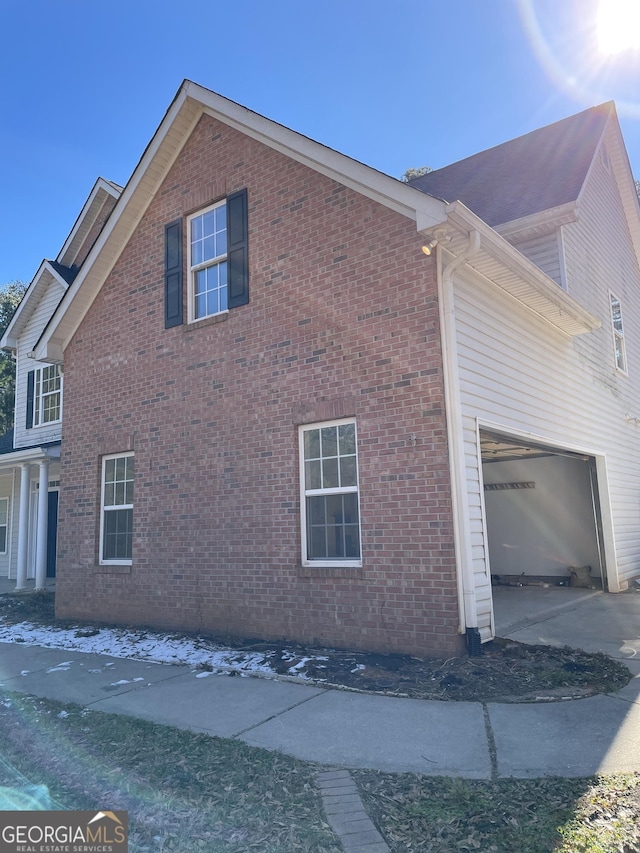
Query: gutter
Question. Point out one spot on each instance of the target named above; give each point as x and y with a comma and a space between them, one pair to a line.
467, 603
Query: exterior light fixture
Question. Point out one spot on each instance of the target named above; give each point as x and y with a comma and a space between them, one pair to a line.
429, 247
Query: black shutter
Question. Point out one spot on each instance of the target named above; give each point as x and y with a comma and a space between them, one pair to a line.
31, 377
173, 297
238, 248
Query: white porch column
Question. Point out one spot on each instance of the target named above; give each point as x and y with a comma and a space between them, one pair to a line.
23, 526
43, 518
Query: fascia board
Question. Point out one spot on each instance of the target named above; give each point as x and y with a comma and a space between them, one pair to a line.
365, 180
626, 185
157, 158
507, 255
10, 338
174, 130
32, 454
545, 220
29, 303
100, 186
623, 174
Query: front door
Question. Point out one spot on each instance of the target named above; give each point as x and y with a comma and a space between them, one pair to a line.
52, 533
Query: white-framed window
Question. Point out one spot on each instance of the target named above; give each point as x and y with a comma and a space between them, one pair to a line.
4, 525
116, 510
330, 510
47, 396
618, 334
208, 269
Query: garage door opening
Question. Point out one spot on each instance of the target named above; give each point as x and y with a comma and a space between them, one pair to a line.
543, 515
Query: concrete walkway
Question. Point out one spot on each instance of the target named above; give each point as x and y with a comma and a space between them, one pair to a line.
353, 730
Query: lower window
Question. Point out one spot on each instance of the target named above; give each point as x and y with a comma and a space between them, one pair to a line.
116, 523
330, 498
4, 524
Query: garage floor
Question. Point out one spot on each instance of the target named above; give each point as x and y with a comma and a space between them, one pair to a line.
516, 607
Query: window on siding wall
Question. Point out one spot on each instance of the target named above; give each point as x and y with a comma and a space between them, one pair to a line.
330, 495
618, 334
116, 534
4, 525
44, 396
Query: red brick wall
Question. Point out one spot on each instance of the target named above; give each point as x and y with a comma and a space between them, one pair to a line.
342, 321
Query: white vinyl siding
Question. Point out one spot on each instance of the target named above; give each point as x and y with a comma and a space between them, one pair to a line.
516, 371
546, 253
47, 432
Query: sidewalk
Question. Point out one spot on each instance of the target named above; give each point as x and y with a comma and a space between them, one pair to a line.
600, 734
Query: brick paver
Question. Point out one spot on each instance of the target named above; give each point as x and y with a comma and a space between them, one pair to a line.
346, 814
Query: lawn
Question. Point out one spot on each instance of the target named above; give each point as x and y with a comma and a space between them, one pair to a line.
188, 792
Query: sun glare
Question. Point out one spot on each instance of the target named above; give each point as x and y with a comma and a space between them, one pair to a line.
618, 25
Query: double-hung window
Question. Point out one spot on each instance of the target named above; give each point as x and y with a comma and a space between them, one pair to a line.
4, 525
116, 533
208, 262
44, 396
330, 499
217, 247
618, 334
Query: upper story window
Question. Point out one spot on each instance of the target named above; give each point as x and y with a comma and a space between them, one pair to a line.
330, 498
208, 262
48, 395
217, 263
44, 396
618, 334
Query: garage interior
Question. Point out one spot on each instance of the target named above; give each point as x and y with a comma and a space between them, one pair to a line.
543, 526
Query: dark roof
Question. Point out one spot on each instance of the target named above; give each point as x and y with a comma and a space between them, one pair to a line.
67, 273
535, 172
6, 444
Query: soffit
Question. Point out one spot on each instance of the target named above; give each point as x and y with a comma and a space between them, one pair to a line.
499, 262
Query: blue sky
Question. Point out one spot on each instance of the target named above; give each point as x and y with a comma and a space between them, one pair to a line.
394, 84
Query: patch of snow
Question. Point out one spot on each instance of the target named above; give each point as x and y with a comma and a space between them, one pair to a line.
198, 653
65, 666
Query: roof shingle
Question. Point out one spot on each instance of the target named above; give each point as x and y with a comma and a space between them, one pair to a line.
539, 171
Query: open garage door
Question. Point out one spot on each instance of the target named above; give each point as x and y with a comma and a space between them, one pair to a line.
542, 513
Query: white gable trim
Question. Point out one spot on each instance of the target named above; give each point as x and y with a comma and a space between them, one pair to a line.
102, 189
46, 273
188, 106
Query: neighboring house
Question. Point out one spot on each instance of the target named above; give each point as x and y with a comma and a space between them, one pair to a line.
305, 400
30, 452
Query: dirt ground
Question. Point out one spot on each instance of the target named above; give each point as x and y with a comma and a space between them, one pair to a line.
506, 671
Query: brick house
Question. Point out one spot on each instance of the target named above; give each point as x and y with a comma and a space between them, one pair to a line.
289, 380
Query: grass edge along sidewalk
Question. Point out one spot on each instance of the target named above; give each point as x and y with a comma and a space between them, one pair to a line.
189, 792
